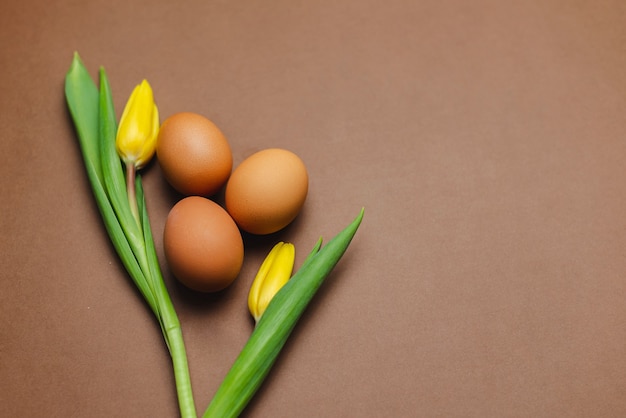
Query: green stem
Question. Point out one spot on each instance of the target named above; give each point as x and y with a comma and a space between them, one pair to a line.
178, 353
168, 319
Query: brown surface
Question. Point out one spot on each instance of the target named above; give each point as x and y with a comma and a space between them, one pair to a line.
486, 139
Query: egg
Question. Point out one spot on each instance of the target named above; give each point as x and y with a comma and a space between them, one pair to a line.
267, 191
202, 244
194, 154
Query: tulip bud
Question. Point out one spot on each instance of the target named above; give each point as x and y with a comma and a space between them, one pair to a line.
273, 274
139, 127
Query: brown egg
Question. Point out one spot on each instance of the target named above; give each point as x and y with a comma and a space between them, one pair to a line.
194, 155
267, 191
202, 244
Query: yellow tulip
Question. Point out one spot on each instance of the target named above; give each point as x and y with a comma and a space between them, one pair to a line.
139, 127
273, 274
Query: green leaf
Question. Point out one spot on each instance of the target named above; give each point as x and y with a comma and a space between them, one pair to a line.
271, 332
168, 318
82, 100
113, 174
153, 276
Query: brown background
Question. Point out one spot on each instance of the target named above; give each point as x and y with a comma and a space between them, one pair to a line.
486, 140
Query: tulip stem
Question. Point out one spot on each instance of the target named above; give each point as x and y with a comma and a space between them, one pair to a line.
130, 188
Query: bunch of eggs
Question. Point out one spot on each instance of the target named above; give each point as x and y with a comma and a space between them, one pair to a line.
202, 241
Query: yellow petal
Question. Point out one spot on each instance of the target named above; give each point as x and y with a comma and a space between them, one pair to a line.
138, 129
275, 271
277, 276
257, 284
149, 146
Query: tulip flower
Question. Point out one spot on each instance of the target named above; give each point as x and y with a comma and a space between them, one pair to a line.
137, 135
275, 271
139, 127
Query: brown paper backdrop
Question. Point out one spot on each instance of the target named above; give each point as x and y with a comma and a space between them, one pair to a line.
486, 140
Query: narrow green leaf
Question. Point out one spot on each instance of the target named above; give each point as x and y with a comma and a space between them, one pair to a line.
154, 275
313, 252
82, 101
168, 318
114, 179
260, 352
123, 249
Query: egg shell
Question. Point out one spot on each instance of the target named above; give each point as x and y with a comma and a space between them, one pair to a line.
267, 191
202, 244
194, 154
